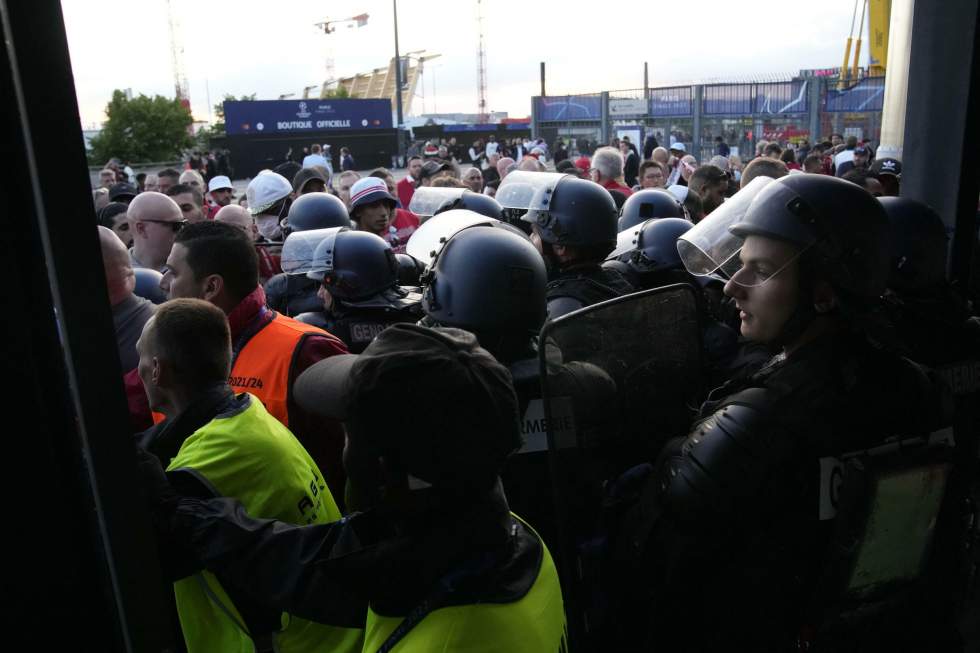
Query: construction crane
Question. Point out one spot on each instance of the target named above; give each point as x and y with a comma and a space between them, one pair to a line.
181, 90
481, 67
879, 14
329, 27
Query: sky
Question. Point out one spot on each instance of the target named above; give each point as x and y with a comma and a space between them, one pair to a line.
271, 48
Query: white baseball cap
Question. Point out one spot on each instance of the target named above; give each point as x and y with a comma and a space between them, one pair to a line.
266, 189
678, 147
219, 182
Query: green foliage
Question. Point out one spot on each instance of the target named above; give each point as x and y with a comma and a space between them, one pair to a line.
142, 129
335, 93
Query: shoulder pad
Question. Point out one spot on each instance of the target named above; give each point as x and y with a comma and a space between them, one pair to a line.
562, 305
724, 460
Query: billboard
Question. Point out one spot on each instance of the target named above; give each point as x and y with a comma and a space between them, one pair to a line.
311, 115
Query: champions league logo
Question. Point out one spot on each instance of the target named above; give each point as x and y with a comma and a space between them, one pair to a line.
302, 113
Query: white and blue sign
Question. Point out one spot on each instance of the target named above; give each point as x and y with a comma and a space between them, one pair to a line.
311, 115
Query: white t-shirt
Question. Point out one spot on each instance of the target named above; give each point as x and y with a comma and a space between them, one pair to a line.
491, 149
311, 160
841, 157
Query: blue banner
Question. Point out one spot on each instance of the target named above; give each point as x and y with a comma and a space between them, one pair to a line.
569, 107
311, 115
677, 101
779, 98
866, 95
727, 99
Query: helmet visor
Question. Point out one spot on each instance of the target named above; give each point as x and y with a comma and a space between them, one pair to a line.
299, 248
322, 261
709, 247
429, 238
427, 200
628, 240
529, 191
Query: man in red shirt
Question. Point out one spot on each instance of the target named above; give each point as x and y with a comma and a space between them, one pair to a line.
406, 187
217, 262
607, 170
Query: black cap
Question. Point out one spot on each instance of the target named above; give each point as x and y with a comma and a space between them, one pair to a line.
432, 168
887, 166
464, 419
120, 190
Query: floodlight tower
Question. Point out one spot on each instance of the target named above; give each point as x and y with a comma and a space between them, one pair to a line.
481, 66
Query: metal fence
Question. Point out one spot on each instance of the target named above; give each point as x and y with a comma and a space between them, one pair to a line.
742, 113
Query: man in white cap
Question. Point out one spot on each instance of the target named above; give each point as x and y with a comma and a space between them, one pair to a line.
677, 151
268, 200
222, 193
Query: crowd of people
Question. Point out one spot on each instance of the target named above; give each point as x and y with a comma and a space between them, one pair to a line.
333, 379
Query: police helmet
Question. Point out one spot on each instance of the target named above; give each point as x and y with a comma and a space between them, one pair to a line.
580, 213
477, 202
487, 278
148, 285
409, 269
649, 203
317, 211
354, 265
919, 244
655, 245
840, 223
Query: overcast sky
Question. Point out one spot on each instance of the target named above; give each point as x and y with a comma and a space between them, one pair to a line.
271, 47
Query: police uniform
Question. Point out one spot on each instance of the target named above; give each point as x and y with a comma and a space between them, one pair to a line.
582, 285
730, 522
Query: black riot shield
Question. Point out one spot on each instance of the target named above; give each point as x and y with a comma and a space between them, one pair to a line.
619, 379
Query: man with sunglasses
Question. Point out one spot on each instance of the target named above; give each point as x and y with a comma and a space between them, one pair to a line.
154, 222
731, 536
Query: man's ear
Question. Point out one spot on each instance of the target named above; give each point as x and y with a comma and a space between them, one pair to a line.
160, 372
139, 228
214, 285
824, 298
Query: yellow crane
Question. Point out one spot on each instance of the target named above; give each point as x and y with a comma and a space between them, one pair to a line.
879, 14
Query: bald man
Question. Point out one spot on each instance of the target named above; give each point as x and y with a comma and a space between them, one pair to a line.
239, 217
154, 220
530, 164
503, 165
193, 178
129, 312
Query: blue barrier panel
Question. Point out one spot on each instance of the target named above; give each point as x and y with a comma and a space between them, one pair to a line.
781, 97
676, 101
727, 99
568, 107
866, 95
278, 116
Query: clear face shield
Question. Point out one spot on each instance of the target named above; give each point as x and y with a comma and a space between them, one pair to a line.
429, 238
427, 200
710, 249
321, 261
530, 193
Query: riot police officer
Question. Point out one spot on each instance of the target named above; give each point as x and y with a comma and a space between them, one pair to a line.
573, 225
932, 324
359, 292
431, 200
291, 292
731, 540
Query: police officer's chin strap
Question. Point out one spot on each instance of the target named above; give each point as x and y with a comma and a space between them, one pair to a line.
804, 314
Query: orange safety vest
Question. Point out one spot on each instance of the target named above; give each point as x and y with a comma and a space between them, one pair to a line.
262, 365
